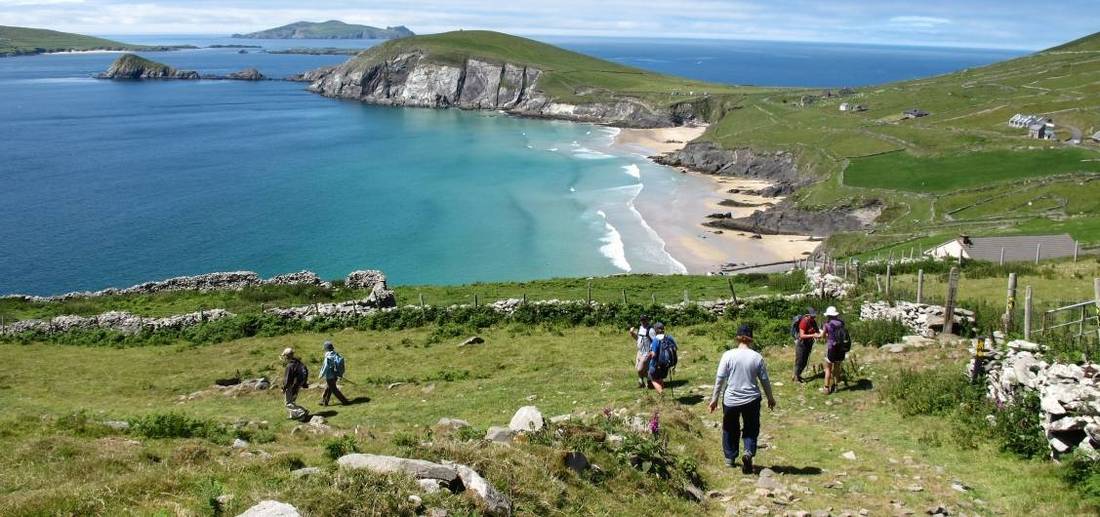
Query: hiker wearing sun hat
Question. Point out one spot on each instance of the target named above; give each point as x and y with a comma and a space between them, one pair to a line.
837, 344
739, 370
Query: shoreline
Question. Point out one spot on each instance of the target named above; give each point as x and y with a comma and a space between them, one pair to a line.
702, 249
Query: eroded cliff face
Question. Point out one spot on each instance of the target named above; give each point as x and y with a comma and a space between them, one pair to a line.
412, 80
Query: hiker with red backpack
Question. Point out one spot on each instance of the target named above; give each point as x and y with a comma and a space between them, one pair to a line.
295, 379
663, 357
804, 330
837, 345
332, 370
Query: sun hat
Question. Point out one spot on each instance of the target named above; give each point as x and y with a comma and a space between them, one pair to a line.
745, 331
831, 311
810, 311
287, 352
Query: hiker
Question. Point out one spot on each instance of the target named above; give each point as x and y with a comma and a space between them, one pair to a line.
295, 379
837, 345
662, 357
804, 330
740, 369
332, 369
643, 338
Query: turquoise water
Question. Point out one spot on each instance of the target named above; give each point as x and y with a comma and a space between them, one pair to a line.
110, 184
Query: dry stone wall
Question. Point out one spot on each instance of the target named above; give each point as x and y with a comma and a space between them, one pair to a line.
923, 319
1069, 394
231, 280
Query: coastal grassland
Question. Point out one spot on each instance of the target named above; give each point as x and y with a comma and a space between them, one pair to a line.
639, 289
16, 41
964, 148
567, 76
63, 461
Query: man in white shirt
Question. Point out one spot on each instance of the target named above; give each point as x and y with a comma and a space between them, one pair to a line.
643, 338
739, 370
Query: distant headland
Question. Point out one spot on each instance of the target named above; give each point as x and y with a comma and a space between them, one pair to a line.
25, 41
332, 29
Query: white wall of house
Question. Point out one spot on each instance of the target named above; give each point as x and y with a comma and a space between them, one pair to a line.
948, 250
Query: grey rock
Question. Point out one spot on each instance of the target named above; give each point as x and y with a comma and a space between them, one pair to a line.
117, 425
527, 418
499, 434
305, 472
270, 508
239, 444
493, 501
416, 501
419, 469
576, 461
248, 74
430, 486
473, 340
850, 456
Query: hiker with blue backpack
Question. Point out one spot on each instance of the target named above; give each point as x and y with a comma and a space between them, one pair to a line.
332, 369
739, 370
837, 345
663, 357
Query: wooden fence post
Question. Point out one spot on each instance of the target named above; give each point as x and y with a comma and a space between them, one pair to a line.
624, 296
1010, 303
476, 301
733, 294
525, 297
1096, 296
1002, 262
889, 274
654, 296
949, 308
1038, 249
685, 296
1076, 249
857, 272
1027, 313
878, 283
920, 286
589, 292
421, 299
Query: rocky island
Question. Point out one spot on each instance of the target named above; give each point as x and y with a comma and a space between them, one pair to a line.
332, 29
131, 67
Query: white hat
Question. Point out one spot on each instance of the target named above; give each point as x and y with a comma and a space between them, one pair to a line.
288, 352
831, 311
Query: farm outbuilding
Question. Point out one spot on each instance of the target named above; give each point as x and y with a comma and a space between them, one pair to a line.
1017, 248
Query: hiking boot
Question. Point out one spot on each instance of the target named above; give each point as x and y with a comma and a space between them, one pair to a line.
729, 462
746, 464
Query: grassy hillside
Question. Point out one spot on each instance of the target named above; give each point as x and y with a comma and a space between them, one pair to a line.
332, 29
963, 154
63, 462
22, 40
567, 75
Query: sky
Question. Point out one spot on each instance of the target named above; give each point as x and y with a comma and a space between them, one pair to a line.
1011, 24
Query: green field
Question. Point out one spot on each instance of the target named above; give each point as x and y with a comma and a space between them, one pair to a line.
947, 173
23, 40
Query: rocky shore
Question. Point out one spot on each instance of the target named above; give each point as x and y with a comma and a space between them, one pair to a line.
411, 79
780, 169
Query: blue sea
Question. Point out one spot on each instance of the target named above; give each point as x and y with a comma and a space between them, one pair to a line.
114, 183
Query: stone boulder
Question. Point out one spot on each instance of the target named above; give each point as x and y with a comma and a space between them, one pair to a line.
498, 434
375, 282
248, 74
494, 502
418, 469
270, 508
526, 419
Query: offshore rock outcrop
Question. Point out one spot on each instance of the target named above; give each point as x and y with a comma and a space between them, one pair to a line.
134, 67
410, 79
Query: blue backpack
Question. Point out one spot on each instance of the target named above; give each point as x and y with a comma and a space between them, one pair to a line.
338, 364
667, 355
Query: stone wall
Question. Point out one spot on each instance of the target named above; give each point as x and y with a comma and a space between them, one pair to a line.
827, 284
921, 318
1069, 394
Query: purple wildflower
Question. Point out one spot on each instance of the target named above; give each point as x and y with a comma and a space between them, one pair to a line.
655, 424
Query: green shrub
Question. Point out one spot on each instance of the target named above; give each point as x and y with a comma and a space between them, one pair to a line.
791, 282
1083, 475
337, 447
175, 425
877, 332
1018, 428
930, 392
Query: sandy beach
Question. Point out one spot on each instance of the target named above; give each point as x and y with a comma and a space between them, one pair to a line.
680, 223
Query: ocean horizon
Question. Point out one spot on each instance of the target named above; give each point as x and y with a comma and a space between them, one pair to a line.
109, 184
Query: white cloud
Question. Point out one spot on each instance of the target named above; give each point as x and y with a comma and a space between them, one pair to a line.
24, 3
920, 22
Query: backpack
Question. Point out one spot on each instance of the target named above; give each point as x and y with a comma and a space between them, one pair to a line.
300, 375
795, 326
667, 356
841, 338
338, 364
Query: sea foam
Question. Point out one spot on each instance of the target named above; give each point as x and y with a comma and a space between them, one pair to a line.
613, 247
633, 170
